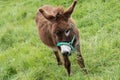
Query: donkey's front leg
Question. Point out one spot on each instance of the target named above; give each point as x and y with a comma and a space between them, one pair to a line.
67, 64
80, 59
57, 57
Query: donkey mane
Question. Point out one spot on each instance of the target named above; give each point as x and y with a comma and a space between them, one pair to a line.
59, 10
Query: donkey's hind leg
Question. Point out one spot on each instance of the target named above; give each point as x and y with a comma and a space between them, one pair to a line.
57, 57
80, 60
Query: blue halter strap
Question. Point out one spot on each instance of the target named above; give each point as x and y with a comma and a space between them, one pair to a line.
67, 43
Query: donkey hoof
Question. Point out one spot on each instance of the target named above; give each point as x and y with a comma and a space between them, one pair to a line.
85, 71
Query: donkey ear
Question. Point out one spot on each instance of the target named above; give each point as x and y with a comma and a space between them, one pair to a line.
69, 11
49, 17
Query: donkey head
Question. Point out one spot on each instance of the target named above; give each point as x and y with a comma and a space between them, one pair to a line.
62, 28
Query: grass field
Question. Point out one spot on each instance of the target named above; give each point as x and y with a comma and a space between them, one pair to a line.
24, 57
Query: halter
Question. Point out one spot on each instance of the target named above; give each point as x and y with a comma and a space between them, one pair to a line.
68, 43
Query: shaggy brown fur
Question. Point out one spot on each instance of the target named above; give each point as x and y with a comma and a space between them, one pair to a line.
52, 23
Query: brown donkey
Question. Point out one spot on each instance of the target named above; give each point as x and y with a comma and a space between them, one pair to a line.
58, 31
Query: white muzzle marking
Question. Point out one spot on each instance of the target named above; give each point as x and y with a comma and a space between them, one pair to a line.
65, 49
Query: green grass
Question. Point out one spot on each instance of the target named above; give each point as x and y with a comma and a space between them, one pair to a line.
24, 57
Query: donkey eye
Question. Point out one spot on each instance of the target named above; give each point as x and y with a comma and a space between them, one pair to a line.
67, 32
58, 32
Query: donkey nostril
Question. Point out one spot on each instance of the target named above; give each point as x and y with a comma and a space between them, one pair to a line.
66, 53
65, 50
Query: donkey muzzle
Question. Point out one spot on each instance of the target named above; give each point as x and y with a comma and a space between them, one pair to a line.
65, 50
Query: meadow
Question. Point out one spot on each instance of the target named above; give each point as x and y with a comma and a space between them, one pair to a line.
24, 57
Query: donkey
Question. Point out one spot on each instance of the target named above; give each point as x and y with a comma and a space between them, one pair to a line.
57, 30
